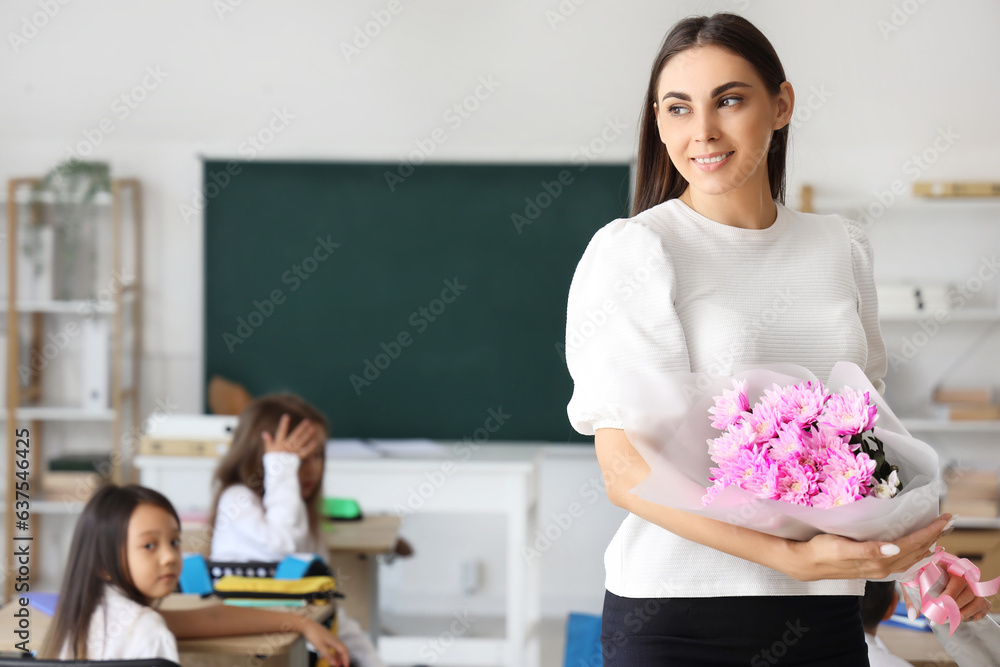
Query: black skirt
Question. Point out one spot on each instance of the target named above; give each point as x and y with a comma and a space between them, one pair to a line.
819, 631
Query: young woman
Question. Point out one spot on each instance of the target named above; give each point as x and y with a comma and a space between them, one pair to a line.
712, 270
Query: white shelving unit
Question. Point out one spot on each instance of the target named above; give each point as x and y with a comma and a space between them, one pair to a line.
120, 304
68, 307
941, 426
962, 315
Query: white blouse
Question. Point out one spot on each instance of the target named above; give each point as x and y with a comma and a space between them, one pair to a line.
249, 529
121, 629
671, 290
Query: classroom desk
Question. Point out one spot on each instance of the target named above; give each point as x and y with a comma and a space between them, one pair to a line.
354, 549
499, 478
279, 649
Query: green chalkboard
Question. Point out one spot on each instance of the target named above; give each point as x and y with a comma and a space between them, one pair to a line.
403, 303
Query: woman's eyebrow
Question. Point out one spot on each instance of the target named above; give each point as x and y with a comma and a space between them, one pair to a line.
715, 93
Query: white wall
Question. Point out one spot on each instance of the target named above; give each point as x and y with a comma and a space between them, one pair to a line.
870, 97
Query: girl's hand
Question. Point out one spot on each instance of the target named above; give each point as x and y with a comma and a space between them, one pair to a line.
329, 647
833, 557
973, 608
301, 441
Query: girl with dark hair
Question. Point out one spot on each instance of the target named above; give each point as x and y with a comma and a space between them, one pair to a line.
711, 271
268, 489
125, 557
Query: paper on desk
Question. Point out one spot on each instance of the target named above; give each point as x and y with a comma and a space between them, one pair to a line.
411, 448
44, 602
350, 448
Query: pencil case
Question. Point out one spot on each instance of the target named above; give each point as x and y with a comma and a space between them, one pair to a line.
312, 589
199, 576
294, 566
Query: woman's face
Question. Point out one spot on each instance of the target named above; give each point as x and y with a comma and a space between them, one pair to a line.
716, 117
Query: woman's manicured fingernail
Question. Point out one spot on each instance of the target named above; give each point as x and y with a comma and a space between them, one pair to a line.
911, 613
889, 549
951, 523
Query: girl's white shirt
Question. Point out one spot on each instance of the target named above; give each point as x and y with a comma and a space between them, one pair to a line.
248, 528
673, 291
121, 629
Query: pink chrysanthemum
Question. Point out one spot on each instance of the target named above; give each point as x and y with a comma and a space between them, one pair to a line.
747, 469
713, 491
819, 443
727, 445
790, 443
842, 462
849, 412
770, 481
797, 484
837, 491
762, 424
730, 408
799, 404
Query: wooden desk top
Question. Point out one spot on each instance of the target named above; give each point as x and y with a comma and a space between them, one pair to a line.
277, 643
375, 534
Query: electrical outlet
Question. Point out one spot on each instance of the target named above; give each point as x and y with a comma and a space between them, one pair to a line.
471, 577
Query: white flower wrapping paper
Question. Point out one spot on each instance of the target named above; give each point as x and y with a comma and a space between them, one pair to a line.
667, 420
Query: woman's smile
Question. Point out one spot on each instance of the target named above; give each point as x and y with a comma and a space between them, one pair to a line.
712, 161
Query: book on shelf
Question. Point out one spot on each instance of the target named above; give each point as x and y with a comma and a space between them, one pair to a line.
972, 492
973, 412
976, 395
967, 403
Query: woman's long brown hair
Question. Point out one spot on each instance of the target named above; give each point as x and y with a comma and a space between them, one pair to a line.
244, 462
657, 180
97, 558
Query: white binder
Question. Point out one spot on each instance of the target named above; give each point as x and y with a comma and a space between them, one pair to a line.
96, 340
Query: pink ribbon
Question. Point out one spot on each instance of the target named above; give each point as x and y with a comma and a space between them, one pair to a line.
944, 609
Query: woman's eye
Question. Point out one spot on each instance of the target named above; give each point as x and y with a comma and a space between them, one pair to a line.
677, 111
149, 546
731, 101
176, 544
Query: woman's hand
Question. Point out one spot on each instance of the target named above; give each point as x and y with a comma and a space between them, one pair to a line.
301, 441
329, 647
833, 557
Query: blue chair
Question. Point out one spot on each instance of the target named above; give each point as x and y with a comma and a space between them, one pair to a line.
583, 641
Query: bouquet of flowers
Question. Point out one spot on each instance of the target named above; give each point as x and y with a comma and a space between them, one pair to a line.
805, 459
800, 444
808, 458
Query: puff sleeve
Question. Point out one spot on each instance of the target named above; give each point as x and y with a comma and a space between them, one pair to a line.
862, 260
620, 321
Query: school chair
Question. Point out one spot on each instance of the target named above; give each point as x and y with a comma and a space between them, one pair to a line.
11, 661
583, 641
